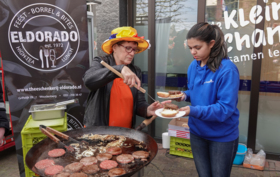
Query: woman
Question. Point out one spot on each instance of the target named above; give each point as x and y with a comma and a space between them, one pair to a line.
114, 101
4, 122
213, 83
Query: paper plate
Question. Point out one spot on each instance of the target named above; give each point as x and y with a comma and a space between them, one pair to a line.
179, 114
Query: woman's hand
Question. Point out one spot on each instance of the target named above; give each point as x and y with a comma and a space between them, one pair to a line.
154, 106
186, 109
130, 78
2, 132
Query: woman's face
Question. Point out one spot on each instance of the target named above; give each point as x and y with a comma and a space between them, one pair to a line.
121, 55
200, 49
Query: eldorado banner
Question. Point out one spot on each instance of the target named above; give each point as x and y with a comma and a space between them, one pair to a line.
44, 48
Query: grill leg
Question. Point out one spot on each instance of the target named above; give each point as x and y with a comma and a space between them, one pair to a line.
140, 173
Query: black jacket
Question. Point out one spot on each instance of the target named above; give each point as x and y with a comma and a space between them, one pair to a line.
4, 123
100, 80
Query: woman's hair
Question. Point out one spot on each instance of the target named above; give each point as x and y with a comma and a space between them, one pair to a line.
205, 32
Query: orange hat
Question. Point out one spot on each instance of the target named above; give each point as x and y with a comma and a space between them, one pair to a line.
125, 33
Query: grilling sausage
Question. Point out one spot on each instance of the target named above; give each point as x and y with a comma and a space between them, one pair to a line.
104, 156
116, 172
88, 161
125, 158
114, 150
140, 154
73, 167
108, 164
90, 169
42, 164
56, 152
53, 170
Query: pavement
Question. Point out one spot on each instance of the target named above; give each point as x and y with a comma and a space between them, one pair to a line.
163, 165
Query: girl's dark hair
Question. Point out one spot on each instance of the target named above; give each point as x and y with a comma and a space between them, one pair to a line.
205, 32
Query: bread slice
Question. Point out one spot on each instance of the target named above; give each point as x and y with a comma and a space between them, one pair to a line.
169, 112
163, 94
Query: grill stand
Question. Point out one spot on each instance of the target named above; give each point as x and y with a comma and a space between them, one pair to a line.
140, 173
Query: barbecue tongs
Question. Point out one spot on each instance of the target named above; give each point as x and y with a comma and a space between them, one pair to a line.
47, 131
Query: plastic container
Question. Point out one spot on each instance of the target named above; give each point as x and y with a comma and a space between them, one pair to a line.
180, 147
240, 155
31, 134
44, 112
165, 140
256, 167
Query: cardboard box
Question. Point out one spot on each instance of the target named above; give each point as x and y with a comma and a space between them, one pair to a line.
179, 128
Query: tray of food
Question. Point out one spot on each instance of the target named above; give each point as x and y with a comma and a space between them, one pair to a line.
170, 94
170, 111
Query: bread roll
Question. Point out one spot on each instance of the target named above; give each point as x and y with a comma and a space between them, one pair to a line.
163, 94
169, 112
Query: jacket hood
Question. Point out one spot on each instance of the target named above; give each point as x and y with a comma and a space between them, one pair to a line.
202, 70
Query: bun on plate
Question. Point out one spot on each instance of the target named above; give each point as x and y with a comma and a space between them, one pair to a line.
175, 93
170, 110
163, 94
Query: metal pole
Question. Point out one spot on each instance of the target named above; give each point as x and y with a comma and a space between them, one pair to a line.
151, 57
255, 87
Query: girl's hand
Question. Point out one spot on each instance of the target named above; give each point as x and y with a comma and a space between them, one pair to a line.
186, 109
180, 99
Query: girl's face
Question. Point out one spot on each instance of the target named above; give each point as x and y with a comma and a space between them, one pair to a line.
200, 49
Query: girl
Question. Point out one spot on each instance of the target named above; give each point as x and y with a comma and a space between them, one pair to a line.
213, 84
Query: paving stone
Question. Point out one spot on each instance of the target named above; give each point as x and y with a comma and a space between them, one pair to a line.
266, 174
277, 165
266, 166
271, 165
275, 175
8, 163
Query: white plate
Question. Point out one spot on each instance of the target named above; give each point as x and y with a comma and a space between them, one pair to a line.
168, 98
179, 114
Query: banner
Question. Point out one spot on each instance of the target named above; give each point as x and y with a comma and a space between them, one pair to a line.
44, 47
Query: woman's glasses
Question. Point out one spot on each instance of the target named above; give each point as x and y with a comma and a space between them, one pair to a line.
129, 49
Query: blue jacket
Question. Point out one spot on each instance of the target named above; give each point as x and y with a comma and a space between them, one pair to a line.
213, 112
